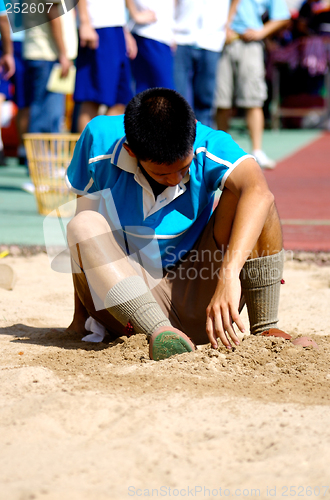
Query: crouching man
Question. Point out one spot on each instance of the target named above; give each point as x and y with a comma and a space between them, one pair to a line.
151, 249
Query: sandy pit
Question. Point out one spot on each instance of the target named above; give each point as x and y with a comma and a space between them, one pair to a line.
82, 421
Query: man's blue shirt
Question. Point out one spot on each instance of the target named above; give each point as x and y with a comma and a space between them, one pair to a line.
102, 168
2, 6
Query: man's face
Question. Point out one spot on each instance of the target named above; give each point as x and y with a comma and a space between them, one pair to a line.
168, 175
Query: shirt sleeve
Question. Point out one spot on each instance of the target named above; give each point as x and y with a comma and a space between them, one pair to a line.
219, 156
2, 8
80, 173
278, 10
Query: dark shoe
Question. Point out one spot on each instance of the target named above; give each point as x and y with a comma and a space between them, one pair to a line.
22, 160
3, 162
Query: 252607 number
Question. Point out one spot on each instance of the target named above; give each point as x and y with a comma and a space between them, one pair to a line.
28, 8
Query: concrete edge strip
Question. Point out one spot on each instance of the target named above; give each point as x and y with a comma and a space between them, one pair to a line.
305, 222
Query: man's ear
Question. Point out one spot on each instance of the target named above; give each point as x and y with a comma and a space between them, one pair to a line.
129, 151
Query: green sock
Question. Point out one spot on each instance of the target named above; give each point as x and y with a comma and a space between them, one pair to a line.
261, 281
130, 300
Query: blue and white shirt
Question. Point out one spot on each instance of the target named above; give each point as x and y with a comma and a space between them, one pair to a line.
102, 168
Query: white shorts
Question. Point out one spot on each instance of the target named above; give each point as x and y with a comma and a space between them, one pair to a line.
241, 76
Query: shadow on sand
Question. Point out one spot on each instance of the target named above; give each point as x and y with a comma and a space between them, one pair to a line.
58, 337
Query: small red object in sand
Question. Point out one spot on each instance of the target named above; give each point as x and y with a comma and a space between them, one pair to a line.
129, 330
305, 342
275, 332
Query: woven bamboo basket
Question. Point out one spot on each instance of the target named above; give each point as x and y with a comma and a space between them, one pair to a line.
48, 157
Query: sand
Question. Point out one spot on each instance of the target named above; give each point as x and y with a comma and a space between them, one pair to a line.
102, 422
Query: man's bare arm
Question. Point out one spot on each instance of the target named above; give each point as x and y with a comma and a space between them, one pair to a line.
56, 28
232, 10
230, 35
87, 34
269, 28
146, 16
248, 184
255, 201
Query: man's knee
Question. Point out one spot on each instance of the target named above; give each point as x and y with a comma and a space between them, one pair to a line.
85, 225
272, 223
270, 240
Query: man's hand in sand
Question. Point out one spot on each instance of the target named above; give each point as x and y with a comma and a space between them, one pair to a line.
222, 311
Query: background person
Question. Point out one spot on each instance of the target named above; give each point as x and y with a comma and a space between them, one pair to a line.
21, 85
200, 32
103, 70
151, 24
7, 65
44, 45
241, 71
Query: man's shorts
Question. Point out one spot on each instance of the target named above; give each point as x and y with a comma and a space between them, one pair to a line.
241, 76
183, 294
103, 75
153, 65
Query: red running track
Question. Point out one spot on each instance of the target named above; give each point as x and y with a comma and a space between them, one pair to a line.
301, 185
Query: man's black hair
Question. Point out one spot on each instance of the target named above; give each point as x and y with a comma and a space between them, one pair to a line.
160, 126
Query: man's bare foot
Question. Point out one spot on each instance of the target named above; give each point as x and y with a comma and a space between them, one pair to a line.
80, 315
77, 326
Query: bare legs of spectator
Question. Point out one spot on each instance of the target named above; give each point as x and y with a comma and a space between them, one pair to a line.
255, 122
222, 119
22, 124
89, 110
22, 121
117, 109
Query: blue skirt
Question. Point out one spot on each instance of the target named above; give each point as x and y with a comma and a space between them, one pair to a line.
23, 84
103, 75
153, 66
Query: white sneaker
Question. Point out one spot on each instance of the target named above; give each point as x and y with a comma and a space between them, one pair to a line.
263, 159
28, 187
